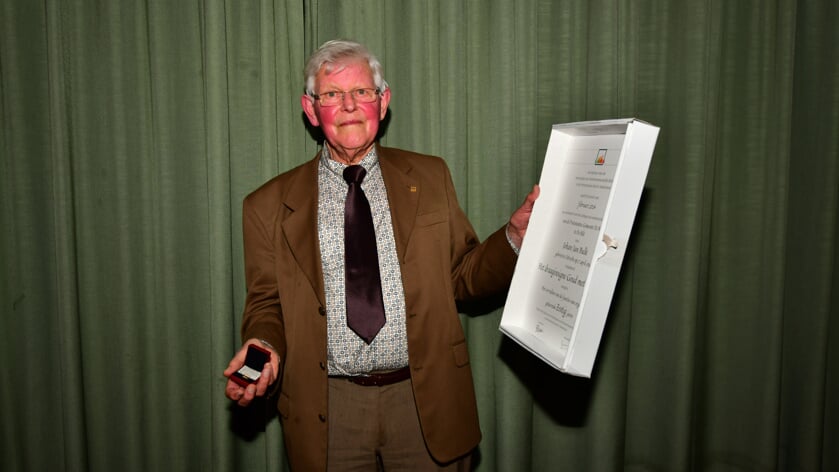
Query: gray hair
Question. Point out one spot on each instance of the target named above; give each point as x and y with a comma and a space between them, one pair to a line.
333, 54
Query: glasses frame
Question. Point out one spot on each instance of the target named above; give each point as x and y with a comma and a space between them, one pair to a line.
376, 93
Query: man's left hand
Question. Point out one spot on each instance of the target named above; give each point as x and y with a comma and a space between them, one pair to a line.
521, 217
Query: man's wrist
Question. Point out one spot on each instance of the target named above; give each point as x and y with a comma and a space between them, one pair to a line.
267, 344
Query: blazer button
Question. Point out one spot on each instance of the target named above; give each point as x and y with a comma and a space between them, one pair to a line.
322, 311
322, 418
322, 366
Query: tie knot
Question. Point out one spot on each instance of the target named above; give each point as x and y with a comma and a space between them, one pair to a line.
354, 174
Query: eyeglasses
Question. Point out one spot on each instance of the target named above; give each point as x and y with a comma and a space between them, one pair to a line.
336, 97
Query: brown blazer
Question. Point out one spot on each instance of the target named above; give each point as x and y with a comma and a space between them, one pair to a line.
442, 260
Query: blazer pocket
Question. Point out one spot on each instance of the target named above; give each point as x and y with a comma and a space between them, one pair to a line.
461, 354
429, 219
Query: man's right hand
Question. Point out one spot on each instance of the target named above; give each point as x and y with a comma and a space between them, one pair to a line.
241, 395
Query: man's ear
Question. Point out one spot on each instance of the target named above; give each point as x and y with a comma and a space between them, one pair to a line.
385, 101
308, 104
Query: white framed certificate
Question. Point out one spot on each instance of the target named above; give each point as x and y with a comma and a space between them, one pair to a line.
568, 266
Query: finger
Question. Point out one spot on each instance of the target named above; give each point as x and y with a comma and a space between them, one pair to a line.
233, 366
269, 373
233, 391
534, 194
237, 362
531, 197
248, 396
522, 215
265, 379
261, 387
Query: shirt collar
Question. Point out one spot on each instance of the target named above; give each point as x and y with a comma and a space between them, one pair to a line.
369, 162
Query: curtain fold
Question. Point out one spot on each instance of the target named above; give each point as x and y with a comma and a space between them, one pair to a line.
131, 132
810, 360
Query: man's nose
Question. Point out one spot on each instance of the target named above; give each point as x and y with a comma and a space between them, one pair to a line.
348, 101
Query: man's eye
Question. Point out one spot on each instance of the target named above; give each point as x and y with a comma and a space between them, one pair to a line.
331, 94
362, 92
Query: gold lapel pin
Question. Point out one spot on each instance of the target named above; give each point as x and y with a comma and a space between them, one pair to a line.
413, 188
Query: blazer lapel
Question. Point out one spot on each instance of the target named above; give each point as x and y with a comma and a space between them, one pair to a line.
300, 228
403, 196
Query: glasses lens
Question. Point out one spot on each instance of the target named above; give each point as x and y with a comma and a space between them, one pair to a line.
362, 95
331, 98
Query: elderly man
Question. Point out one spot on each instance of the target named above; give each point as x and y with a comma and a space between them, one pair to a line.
367, 349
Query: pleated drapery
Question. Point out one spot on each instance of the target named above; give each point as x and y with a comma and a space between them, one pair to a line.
131, 131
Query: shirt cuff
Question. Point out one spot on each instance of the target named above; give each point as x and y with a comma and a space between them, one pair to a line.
510, 240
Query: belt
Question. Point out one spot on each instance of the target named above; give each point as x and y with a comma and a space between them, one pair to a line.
377, 379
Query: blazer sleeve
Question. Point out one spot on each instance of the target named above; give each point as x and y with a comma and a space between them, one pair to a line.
262, 317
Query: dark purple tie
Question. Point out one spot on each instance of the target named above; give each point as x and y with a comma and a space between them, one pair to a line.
365, 309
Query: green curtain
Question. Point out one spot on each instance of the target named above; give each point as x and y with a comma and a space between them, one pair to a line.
131, 131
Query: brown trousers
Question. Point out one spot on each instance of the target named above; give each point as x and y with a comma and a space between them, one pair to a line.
377, 429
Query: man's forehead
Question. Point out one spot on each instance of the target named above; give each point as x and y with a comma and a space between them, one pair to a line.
334, 67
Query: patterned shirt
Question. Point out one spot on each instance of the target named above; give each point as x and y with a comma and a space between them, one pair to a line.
348, 354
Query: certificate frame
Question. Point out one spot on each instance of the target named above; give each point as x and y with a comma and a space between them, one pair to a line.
562, 288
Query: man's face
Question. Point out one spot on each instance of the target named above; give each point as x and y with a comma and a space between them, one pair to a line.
350, 128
